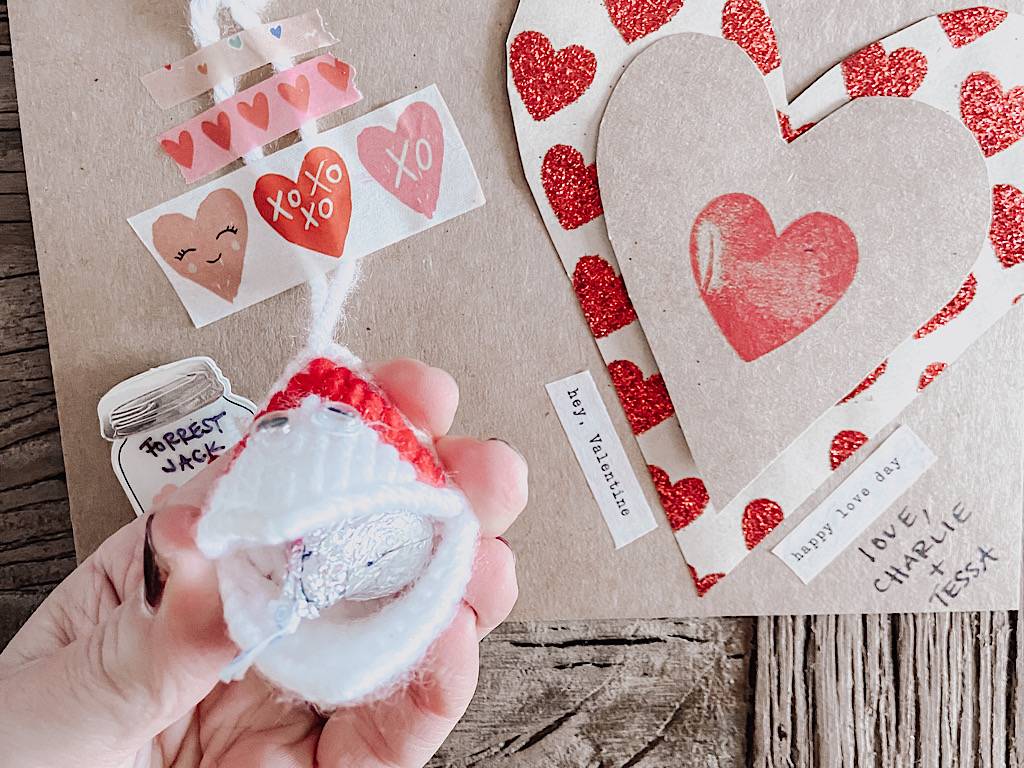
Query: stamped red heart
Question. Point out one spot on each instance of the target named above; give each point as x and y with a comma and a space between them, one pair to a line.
764, 289
866, 384
549, 80
789, 133
956, 305
571, 186
746, 24
761, 517
929, 374
602, 296
873, 72
337, 74
638, 18
844, 445
966, 26
296, 95
181, 151
315, 209
683, 501
219, 132
994, 116
645, 401
704, 583
1007, 230
257, 113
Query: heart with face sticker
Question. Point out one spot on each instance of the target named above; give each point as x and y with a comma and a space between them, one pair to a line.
208, 250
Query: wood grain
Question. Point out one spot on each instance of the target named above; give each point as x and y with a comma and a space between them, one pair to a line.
831, 691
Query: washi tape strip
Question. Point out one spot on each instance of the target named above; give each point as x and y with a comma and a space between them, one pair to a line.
259, 115
249, 235
233, 56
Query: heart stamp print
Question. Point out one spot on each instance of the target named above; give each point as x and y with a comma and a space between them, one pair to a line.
208, 250
638, 18
407, 161
314, 209
548, 80
995, 116
873, 72
602, 296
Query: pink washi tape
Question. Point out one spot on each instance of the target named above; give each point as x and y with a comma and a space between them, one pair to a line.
259, 115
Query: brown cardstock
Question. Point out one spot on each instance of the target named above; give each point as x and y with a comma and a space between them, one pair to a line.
690, 122
484, 296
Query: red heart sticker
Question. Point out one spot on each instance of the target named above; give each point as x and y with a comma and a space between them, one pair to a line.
645, 401
257, 113
549, 80
181, 151
704, 583
761, 517
929, 374
995, 117
746, 24
867, 383
844, 445
683, 501
315, 209
966, 26
638, 18
602, 296
873, 72
571, 186
956, 305
219, 132
1007, 230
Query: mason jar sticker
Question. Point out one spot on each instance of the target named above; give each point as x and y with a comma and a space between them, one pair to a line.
167, 424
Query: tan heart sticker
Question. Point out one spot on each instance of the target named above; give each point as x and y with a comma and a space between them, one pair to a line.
209, 250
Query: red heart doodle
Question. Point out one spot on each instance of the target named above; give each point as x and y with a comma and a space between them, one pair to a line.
313, 211
1007, 230
203, 69
337, 74
181, 151
844, 445
549, 80
683, 501
645, 401
956, 305
746, 24
704, 583
257, 113
873, 72
994, 117
867, 383
764, 289
297, 95
571, 186
219, 132
789, 133
602, 295
638, 18
761, 517
929, 374
966, 26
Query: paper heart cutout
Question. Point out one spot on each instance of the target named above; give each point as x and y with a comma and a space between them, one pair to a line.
549, 80
407, 161
761, 517
337, 74
746, 24
929, 374
995, 117
208, 250
744, 378
602, 296
764, 289
296, 95
956, 305
873, 72
1007, 231
966, 26
638, 18
313, 211
844, 445
571, 186
704, 583
219, 132
866, 384
645, 401
683, 501
257, 113
181, 151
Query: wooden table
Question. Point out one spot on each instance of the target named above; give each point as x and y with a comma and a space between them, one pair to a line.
832, 691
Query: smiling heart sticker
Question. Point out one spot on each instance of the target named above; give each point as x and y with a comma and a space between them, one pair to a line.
209, 250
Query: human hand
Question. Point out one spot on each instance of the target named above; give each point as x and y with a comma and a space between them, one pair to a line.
102, 676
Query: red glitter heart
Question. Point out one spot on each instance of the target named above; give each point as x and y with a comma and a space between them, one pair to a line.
873, 72
956, 305
746, 24
868, 382
638, 18
929, 375
994, 117
683, 501
602, 296
844, 445
966, 26
761, 517
645, 401
549, 80
704, 583
571, 186
1007, 231
764, 289
789, 133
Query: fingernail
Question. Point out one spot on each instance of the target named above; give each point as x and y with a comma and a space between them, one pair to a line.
506, 442
504, 541
154, 575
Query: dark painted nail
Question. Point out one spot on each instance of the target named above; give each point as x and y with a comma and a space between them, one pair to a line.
506, 442
154, 575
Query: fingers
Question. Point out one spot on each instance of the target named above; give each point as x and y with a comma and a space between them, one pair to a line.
492, 474
493, 589
427, 396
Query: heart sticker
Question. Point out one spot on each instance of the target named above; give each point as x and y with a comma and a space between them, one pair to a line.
315, 209
407, 161
208, 250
